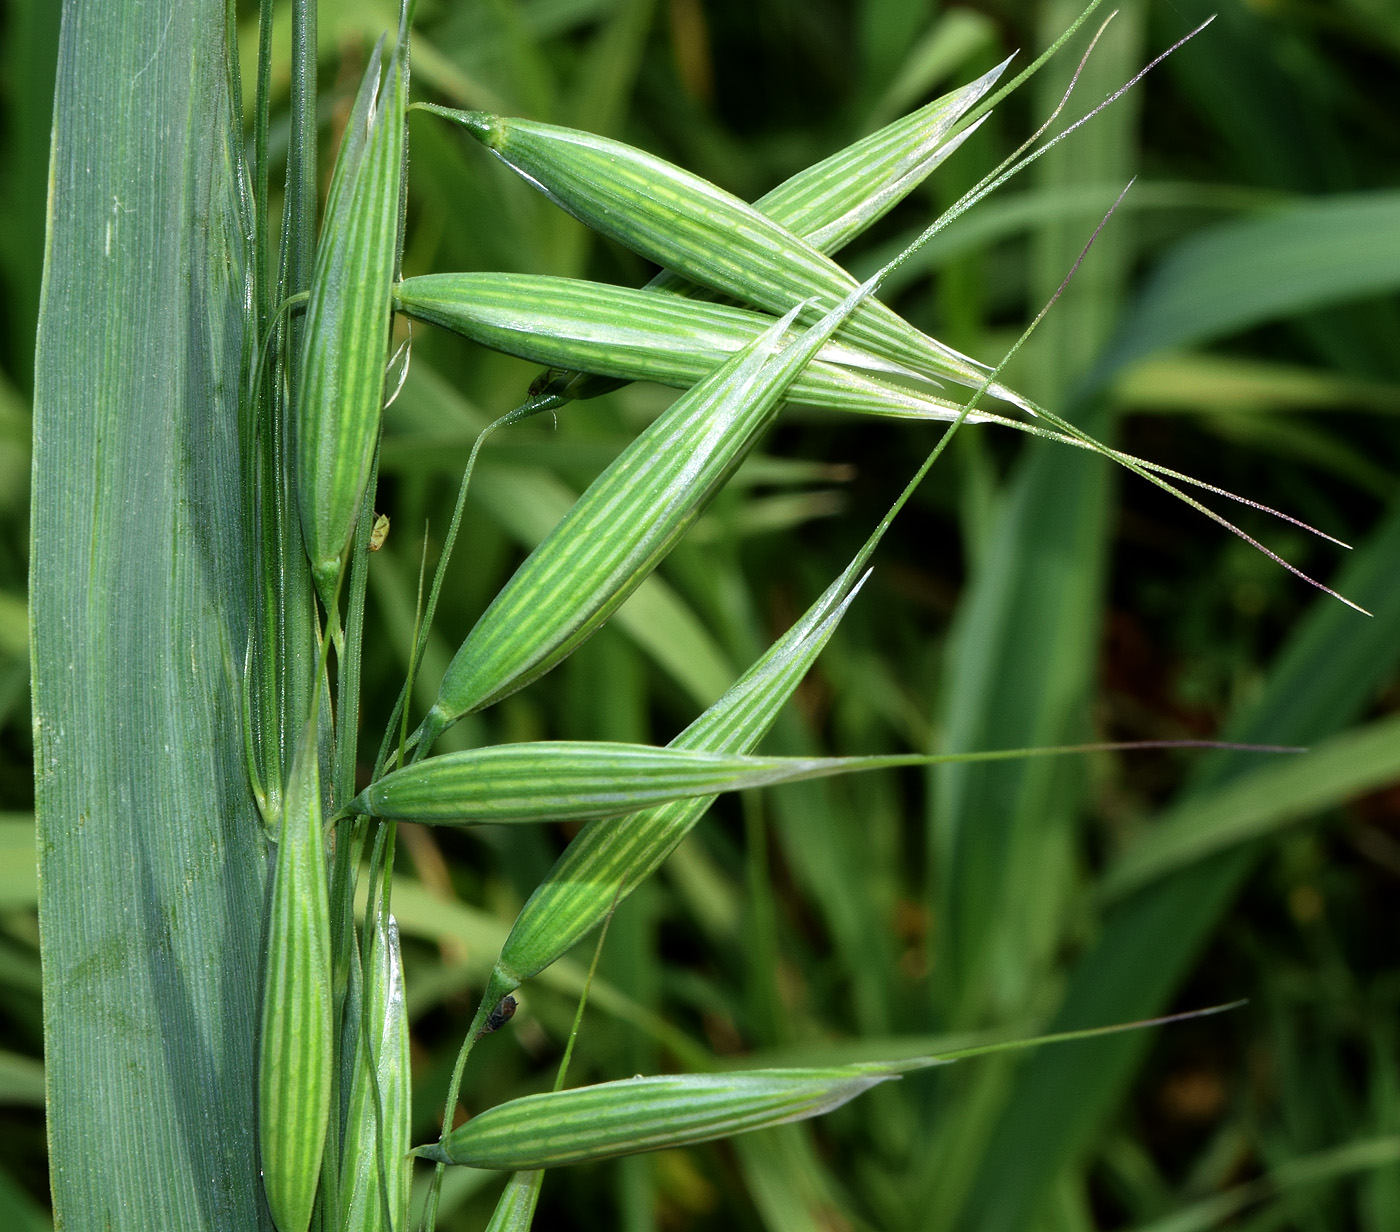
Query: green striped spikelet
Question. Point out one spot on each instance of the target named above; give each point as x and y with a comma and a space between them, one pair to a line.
295, 1048
376, 1142
632, 335
618, 530
563, 780
703, 233
649, 1114
347, 323
610, 857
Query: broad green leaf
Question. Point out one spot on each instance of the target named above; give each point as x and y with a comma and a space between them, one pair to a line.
295, 1042
647, 1114
347, 323
640, 336
1259, 803
152, 869
563, 780
1229, 277
707, 235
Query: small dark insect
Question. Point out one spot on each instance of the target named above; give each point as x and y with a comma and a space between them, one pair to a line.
550, 381
497, 1018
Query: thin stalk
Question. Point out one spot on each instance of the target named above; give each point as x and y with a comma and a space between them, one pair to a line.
295, 605
398, 715
381, 881
483, 1013
583, 999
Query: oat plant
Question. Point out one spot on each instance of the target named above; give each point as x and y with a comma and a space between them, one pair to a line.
227, 1033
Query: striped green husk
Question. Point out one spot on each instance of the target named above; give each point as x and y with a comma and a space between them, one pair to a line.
566, 780
347, 324
833, 201
377, 1128
609, 858
648, 1114
295, 1048
622, 527
640, 336
698, 230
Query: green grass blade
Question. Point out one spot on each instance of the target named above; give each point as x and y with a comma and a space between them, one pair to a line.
347, 323
152, 872
1326, 675
21, 1080
1287, 261
1314, 1169
1259, 803
699, 231
1024, 652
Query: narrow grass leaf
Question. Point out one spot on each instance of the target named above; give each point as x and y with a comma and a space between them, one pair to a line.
639, 336
295, 1047
564, 780
1328, 673
347, 324
377, 1138
1297, 1173
1259, 803
698, 230
1290, 260
623, 525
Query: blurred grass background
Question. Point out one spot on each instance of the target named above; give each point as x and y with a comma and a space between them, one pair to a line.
1236, 320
